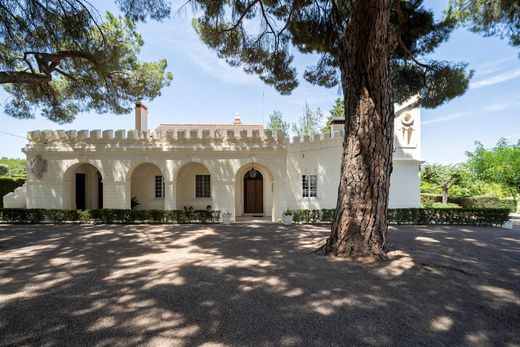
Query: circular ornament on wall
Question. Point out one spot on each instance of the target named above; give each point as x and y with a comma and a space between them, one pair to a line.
407, 120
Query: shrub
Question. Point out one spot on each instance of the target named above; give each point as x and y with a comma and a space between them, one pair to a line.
4, 169
445, 215
457, 216
106, 216
448, 205
482, 201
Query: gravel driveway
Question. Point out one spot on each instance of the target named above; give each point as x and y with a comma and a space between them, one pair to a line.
254, 285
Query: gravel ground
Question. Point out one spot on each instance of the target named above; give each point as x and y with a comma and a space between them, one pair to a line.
254, 285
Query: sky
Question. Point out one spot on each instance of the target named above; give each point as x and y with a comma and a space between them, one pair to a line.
207, 90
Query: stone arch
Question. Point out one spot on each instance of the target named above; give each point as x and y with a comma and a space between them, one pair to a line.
147, 185
191, 190
267, 188
83, 186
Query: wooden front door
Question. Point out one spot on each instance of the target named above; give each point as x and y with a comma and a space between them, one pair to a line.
253, 192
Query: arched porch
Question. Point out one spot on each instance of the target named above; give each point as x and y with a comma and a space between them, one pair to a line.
82, 187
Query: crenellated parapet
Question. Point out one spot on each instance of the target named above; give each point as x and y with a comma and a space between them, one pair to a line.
318, 140
158, 137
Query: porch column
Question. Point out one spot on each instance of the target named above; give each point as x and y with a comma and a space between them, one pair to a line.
170, 195
279, 199
116, 194
223, 196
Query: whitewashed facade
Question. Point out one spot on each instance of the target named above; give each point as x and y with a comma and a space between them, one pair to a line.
235, 168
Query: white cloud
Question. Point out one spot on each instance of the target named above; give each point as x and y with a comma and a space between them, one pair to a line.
493, 66
502, 106
446, 118
502, 77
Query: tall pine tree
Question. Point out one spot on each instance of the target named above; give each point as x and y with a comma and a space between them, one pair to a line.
377, 50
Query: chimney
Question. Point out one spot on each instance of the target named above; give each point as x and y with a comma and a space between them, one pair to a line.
336, 125
141, 116
237, 121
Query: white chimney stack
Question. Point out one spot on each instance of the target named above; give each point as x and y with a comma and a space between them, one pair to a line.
336, 125
141, 116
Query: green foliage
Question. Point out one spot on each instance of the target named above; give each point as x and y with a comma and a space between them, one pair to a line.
309, 123
444, 176
500, 164
277, 124
447, 205
4, 169
455, 216
106, 216
17, 167
8, 185
484, 201
60, 58
337, 111
499, 18
462, 216
259, 35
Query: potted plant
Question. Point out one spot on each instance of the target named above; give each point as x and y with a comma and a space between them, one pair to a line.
226, 217
287, 217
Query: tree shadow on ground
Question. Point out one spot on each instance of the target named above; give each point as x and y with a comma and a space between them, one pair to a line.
254, 285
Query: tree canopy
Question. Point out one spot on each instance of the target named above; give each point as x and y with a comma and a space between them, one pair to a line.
62, 57
499, 18
500, 164
309, 123
316, 27
445, 176
277, 124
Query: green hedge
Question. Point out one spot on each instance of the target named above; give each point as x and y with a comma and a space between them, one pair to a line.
106, 216
481, 201
8, 185
458, 216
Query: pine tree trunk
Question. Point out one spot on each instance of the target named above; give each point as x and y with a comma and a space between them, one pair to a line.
444, 195
360, 225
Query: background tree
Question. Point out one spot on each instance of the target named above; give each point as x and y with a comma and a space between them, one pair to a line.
499, 18
4, 169
309, 123
377, 50
445, 176
337, 111
62, 57
500, 164
277, 124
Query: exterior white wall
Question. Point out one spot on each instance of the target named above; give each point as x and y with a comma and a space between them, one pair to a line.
325, 162
143, 187
129, 161
186, 187
405, 185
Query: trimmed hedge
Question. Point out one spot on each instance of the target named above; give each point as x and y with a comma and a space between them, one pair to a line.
481, 201
8, 185
457, 216
106, 216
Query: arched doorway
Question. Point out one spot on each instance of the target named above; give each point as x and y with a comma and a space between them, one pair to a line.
147, 188
253, 192
83, 187
194, 187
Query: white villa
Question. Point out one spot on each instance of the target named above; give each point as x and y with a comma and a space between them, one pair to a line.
244, 170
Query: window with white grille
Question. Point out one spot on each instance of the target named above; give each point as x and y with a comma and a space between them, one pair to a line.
202, 186
159, 187
310, 186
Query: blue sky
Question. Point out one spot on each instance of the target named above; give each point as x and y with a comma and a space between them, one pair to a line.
207, 90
